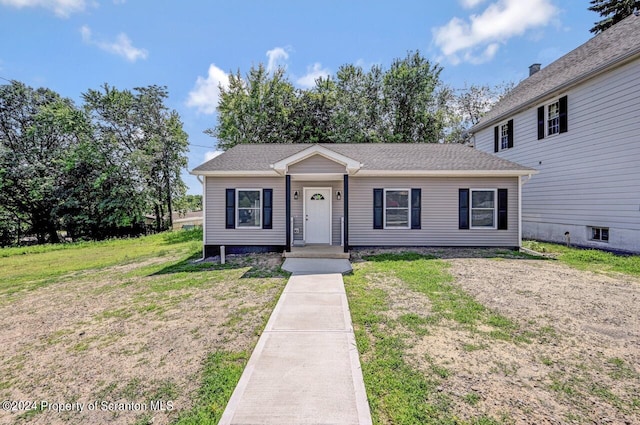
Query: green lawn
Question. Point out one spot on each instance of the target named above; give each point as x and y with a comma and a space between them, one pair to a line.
28, 268
124, 303
398, 392
401, 303
589, 259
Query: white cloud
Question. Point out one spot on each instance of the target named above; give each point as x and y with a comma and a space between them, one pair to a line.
277, 57
313, 73
121, 46
211, 154
62, 8
470, 4
477, 40
206, 92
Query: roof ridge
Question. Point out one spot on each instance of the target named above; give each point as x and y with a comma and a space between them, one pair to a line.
603, 51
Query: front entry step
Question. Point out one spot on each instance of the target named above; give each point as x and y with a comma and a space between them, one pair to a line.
317, 251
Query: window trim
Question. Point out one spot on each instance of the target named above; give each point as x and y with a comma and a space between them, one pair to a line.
547, 118
503, 136
384, 208
544, 117
238, 190
495, 209
591, 231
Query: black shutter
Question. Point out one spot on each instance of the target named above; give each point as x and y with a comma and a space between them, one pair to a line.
378, 208
563, 114
510, 133
416, 208
231, 209
463, 209
496, 138
267, 208
541, 122
503, 217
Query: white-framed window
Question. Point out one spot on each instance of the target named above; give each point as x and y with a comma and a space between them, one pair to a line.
396, 209
600, 234
483, 208
248, 208
504, 136
553, 118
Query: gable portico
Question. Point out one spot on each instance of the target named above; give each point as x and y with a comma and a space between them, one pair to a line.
317, 196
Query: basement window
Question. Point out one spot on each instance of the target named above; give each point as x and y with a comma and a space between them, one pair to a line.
600, 234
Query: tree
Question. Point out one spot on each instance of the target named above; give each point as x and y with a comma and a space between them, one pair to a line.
143, 150
256, 110
402, 104
613, 11
464, 107
37, 130
411, 103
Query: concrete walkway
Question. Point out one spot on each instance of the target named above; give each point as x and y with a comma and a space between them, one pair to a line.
305, 368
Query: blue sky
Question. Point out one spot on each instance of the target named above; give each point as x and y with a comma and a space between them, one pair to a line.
191, 45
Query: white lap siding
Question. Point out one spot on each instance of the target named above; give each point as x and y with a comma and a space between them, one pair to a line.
588, 176
439, 213
217, 234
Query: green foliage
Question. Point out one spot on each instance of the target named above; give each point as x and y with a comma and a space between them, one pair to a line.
405, 103
188, 203
93, 171
612, 12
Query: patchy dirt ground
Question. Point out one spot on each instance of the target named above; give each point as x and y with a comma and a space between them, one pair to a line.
580, 358
127, 335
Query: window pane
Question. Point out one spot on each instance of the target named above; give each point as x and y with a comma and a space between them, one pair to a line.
482, 199
595, 233
553, 119
482, 218
398, 198
249, 208
605, 235
248, 217
504, 136
397, 217
249, 199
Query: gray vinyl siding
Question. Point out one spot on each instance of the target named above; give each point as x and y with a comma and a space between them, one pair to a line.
589, 175
439, 213
217, 234
317, 164
297, 208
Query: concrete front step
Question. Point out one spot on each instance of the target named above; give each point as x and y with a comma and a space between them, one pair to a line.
317, 251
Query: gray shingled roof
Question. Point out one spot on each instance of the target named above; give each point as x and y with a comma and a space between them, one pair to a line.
617, 44
374, 157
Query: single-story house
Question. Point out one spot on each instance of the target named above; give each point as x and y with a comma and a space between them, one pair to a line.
270, 197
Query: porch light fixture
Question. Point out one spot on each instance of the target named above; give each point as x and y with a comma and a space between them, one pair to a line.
295, 195
338, 195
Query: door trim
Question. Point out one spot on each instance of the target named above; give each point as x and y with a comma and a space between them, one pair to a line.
304, 210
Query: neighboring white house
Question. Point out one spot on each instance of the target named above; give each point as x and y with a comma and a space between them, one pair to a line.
577, 121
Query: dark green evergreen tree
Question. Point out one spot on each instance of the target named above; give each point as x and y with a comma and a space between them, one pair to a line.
612, 12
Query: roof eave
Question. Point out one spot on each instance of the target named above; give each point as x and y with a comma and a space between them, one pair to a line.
236, 173
622, 60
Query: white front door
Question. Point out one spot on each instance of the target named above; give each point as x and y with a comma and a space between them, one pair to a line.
317, 211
